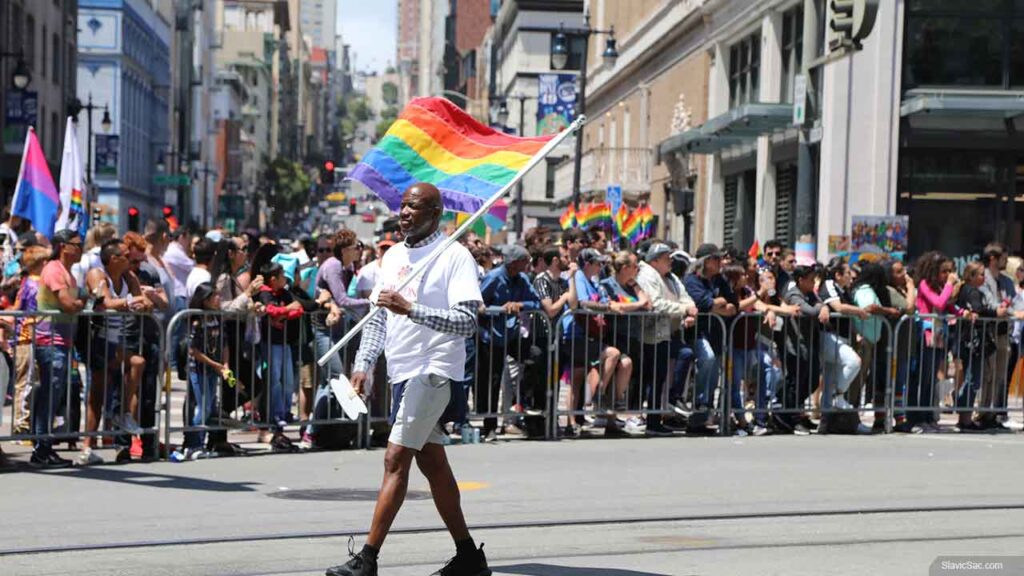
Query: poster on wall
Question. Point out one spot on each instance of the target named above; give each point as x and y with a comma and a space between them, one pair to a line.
880, 235
556, 102
838, 245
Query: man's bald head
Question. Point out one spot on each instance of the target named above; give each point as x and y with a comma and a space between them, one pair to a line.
420, 212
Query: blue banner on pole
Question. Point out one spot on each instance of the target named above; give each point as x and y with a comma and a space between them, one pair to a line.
21, 110
556, 102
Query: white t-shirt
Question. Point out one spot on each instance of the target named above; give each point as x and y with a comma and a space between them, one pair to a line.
196, 277
367, 278
412, 349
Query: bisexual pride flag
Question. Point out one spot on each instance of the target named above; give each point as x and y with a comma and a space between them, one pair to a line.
437, 142
35, 195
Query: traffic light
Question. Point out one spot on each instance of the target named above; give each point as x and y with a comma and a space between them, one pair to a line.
352, 206
850, 22
133, 219
170, 218
327, 177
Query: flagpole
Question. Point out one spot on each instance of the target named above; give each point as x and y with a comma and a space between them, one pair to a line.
483, 209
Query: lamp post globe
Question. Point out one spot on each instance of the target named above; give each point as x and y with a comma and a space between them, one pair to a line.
560, 51
21, 77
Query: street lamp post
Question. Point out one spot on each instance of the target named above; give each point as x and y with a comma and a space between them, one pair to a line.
75, 108
205, 170
520, 211
560, 57
21, 77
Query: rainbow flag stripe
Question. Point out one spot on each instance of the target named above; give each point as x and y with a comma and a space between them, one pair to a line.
595, 214
568, 218
435, 141
631, 227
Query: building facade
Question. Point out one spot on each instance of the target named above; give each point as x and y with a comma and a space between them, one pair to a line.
42, 36
124, 64
407, 60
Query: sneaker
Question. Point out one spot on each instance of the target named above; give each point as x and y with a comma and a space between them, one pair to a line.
136, 449
473, 564
88, 458
760, 430
569, 431
635, 425
127, 423
306, 444
124, 456
864, 429
196, 454
491, 436
840, 403
46, 458
801, 429
903, 427
741, 433
358, 564
679, 407
658, 430
675, 422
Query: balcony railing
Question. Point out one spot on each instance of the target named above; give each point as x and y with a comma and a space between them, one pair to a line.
629, 168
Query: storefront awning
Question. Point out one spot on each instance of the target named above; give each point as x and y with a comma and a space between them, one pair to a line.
961, 104
738, 125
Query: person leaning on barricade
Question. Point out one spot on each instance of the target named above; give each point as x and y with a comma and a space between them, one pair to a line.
802, 353
115, 369
622, 287
583, 349
903, 297
712, 296
977, 344
998, 291
143, 333
840, 361
506, 287
870, 293
675, 310
936, 297
281, 319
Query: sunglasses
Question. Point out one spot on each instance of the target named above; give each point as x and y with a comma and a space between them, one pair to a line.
772, 254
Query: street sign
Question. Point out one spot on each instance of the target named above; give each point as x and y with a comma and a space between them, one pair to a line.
170, 196
171, 180
799, 100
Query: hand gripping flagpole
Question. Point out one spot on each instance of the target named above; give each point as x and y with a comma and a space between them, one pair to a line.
543, 153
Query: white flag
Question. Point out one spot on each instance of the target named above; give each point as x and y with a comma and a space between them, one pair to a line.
72, 183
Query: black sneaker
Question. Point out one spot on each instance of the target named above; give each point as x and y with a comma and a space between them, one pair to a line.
472, 564
358, 564
124, 456
680, 407
658, 430
47, 459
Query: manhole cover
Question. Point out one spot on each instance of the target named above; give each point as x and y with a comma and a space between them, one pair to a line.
340, 495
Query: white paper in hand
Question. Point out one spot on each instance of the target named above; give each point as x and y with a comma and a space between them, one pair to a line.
350, 402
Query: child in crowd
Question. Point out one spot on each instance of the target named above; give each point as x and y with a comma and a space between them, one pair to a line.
207, 363
280, 327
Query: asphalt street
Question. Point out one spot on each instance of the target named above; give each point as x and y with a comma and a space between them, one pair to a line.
635, 507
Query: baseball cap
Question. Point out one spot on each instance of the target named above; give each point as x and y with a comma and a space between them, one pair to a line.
655, 251
515, 252
708, 251
589, 256
682, 256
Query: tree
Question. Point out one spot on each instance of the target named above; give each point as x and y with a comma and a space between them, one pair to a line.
390, 92
387, 117
289, 185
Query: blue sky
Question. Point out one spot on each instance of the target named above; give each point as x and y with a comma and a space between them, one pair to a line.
369, 27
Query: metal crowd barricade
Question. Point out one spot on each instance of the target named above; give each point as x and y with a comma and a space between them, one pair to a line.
954, 365
786, 371
272, 361
610, 365
104, 382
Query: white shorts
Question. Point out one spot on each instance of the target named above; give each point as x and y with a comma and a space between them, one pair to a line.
423, 402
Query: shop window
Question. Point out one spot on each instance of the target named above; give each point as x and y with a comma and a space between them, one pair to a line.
744, 70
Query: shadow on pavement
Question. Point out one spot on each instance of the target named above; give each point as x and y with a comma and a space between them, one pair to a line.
152, 480
549, 570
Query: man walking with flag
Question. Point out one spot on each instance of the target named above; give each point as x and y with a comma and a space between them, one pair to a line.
422, 334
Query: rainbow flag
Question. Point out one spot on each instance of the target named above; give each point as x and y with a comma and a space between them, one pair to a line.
435, 141
632, 227
568, 218
595, 214
35, 195
755, 250
646, 221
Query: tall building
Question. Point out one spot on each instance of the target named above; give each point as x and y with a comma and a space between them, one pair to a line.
407, 59
319, 21
124, 65
38, 38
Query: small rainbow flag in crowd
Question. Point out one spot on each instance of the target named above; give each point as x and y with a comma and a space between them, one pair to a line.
632, 227
646, 221
595, 214
755, 250
435, 141
568, 218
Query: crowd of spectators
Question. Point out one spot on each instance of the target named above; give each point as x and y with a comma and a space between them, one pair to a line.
649, 338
